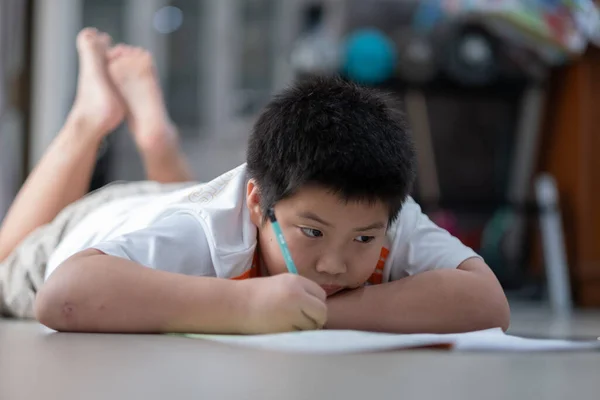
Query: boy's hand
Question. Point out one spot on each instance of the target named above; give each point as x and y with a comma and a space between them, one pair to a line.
283, 303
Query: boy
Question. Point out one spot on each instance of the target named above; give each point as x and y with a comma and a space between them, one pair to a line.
335, 163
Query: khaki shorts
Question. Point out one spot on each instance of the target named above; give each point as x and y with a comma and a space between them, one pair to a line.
22, 273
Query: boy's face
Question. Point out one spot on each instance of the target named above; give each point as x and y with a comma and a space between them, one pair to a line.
335, 243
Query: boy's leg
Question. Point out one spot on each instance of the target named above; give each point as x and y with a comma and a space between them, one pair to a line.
63, 174
134, 75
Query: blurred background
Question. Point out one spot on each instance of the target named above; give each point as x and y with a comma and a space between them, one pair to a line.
503, 97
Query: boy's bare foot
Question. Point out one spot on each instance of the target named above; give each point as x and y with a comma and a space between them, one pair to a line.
97, 103
133, 72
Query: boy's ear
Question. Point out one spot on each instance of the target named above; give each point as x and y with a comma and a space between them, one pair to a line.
253, 202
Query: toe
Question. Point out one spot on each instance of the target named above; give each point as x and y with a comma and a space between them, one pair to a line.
146, 58
86, 36
105, 40
116, 52
126, 50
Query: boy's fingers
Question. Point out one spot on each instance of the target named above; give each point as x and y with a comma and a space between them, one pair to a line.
315, 290
304, 323
315, 312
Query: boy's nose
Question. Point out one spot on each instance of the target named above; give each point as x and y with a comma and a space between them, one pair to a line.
331, 264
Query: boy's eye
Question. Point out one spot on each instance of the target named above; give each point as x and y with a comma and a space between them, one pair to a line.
313, 233
364, 239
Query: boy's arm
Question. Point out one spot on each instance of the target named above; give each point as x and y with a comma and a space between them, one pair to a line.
144, 282
465, 299
94, 292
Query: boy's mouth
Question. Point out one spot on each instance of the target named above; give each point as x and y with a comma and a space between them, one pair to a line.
331, 289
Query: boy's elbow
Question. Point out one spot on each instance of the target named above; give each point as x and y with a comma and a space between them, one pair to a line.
490, 312
493, 310
496, 312
502, 314
47, 309
54, 305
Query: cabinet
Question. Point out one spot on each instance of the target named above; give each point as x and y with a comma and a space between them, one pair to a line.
570, 151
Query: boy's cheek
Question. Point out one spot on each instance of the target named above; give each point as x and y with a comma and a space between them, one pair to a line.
274, 260
273, 257
361, 276
364, 267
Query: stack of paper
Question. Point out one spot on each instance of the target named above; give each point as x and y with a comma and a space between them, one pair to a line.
346, 341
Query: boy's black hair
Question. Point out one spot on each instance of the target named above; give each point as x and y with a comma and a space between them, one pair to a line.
349, 139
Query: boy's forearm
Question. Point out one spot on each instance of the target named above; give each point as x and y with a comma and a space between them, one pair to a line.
439, 301
100, 293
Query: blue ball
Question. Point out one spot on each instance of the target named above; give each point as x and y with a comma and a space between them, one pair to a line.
370, 57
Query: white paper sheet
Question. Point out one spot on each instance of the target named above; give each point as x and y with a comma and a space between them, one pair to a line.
344, 341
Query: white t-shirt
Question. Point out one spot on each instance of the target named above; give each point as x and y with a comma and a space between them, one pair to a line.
205, 230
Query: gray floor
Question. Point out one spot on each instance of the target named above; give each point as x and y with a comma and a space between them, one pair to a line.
35, 364
535, 320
